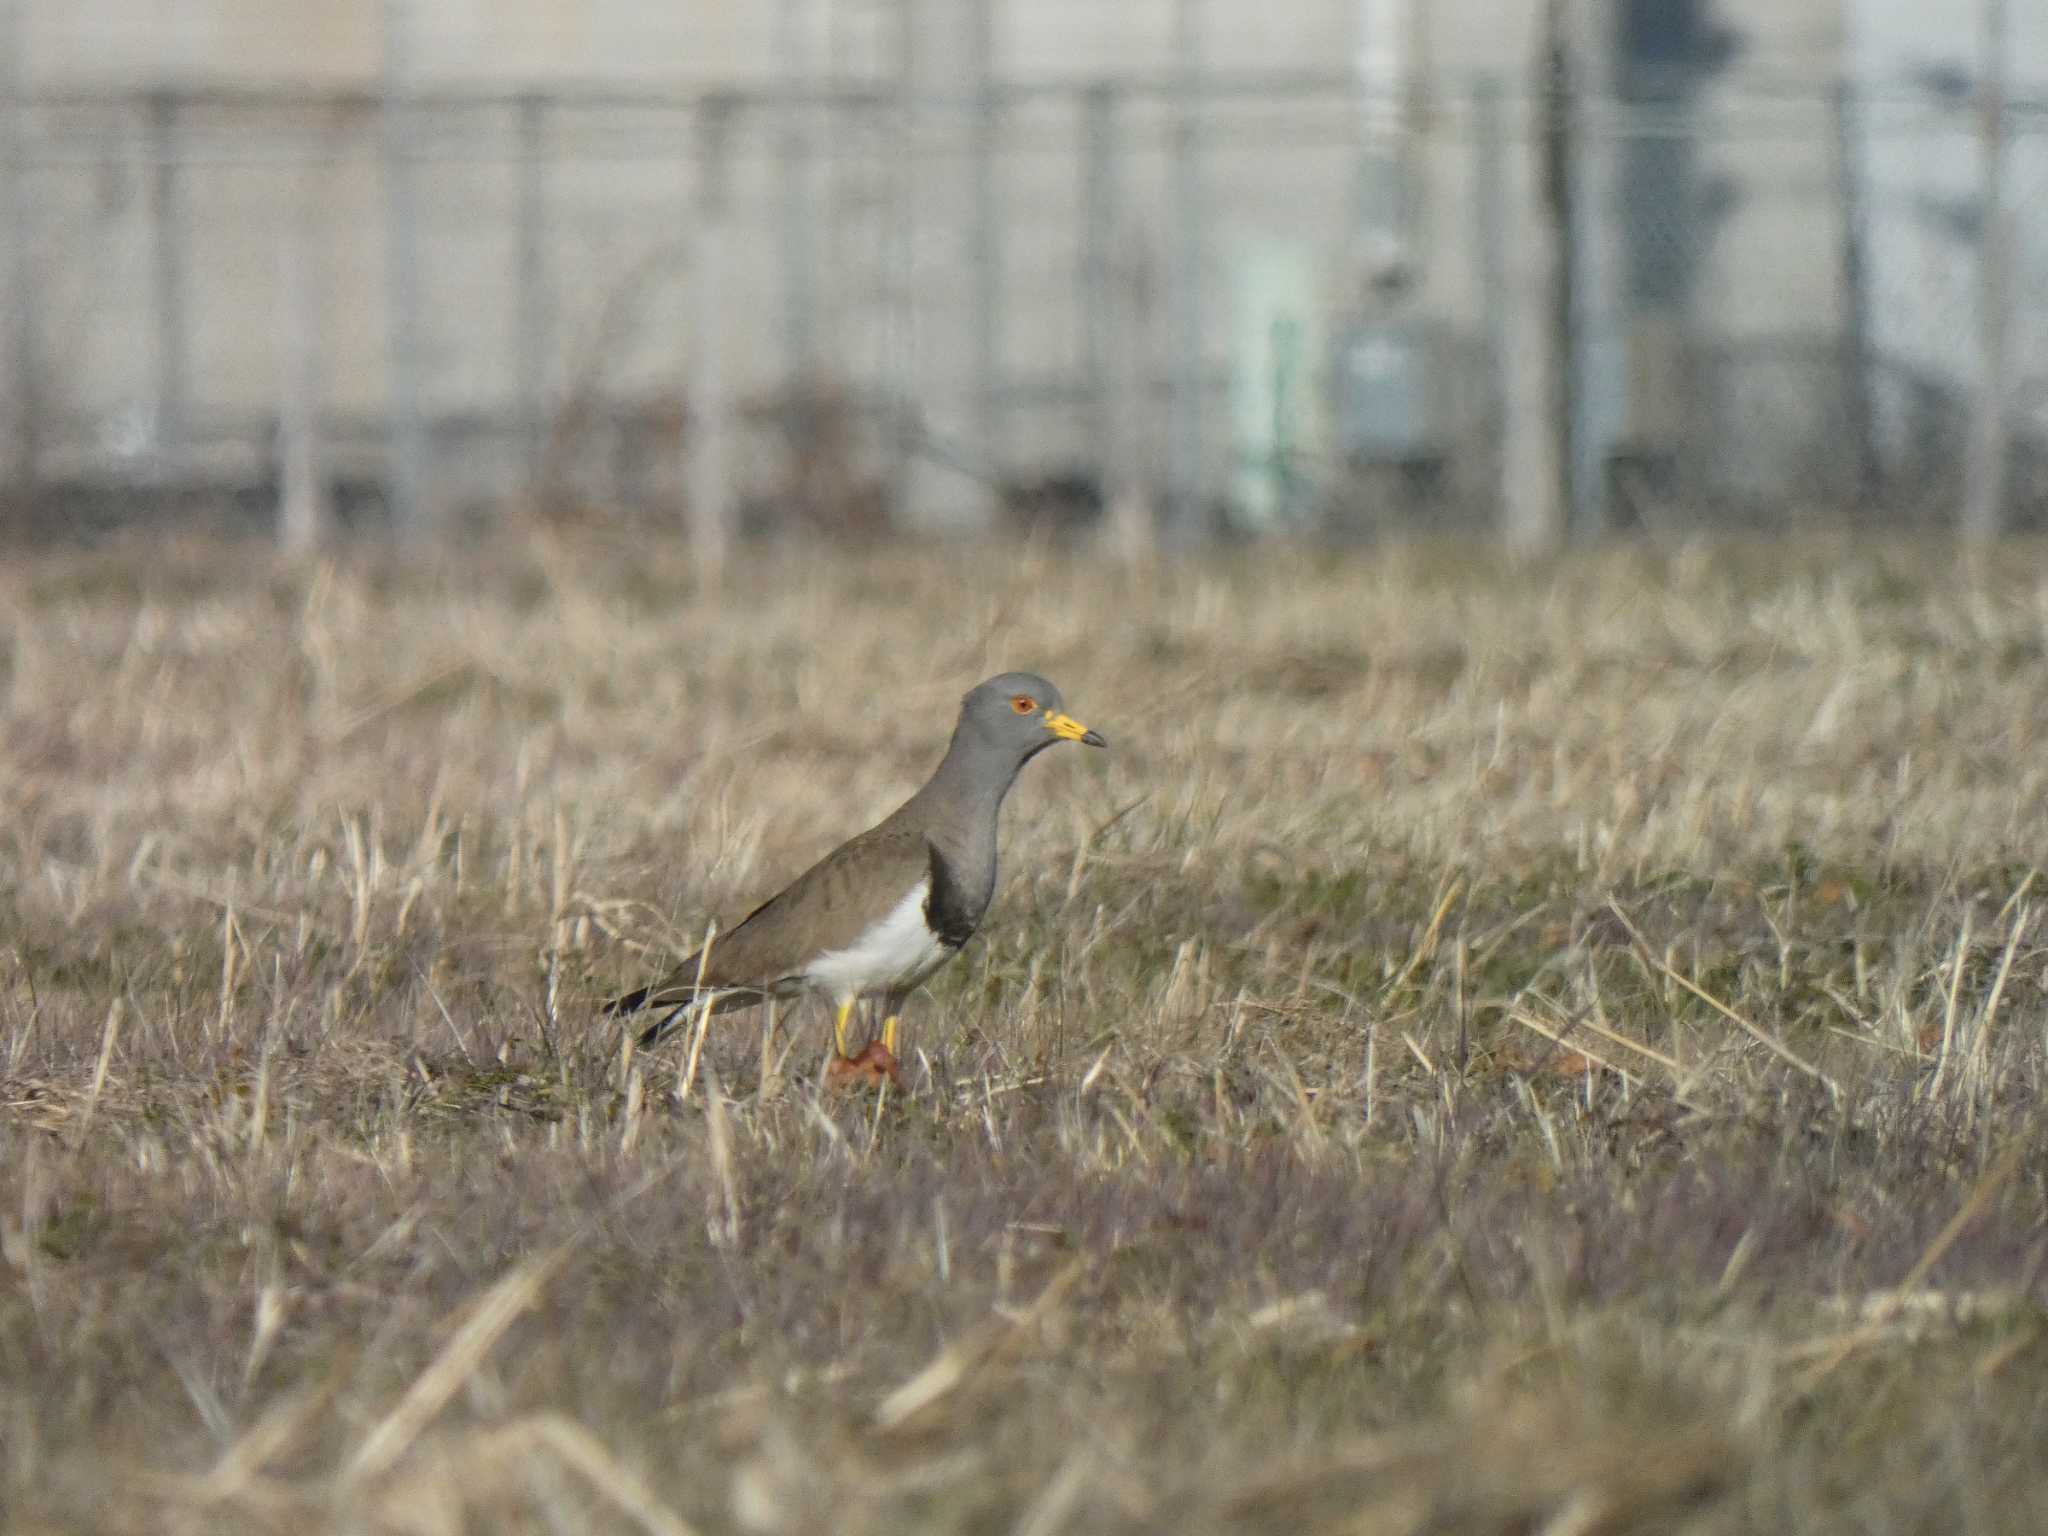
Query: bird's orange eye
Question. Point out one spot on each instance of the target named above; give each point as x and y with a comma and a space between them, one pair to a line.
1023, 703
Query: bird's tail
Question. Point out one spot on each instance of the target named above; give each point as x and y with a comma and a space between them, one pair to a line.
631, 1002
667, 1024
681, 1005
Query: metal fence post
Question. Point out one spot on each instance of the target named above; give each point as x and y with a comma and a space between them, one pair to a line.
798, 210
1098, 228
707, 491
1130, 488
167, 274
302, 512
1536, 434
1855, 345
900, 255
1489, 213
407, 435
17, 264
1184, 278
1984, 466
1116, 339
1581, 167
531, 317
986, 251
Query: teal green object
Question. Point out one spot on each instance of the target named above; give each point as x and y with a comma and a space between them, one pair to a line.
1277, 348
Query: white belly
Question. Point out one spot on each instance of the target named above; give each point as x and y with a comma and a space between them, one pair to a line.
896, 953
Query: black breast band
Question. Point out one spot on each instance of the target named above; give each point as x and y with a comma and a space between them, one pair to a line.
947, 911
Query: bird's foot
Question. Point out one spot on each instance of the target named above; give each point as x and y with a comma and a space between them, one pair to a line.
875, 1065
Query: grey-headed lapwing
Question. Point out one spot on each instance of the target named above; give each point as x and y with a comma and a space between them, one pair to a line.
877, 915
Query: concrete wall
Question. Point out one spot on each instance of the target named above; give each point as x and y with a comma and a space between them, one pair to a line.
901, 305
1922, 166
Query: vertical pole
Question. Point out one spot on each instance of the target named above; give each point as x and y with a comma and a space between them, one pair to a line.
1098, 232
302, 491
986, 252
1184, 268
797, 212
1984, 466
167, 274
1380, 70
1560, 187
1131, 490
1583, 208
1855, 365
1121, 351
17, 264
708, 489
902, 259
531, 317
1488, 212
407, 431
1536, 435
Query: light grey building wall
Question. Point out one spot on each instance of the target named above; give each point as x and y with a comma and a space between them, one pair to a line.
951, 253
1922, 166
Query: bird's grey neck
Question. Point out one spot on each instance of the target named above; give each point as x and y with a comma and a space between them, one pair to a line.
965, 796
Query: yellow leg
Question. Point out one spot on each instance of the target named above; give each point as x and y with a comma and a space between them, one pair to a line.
839, 1024
889, 1033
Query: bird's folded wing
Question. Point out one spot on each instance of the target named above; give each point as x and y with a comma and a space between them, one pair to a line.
828, 907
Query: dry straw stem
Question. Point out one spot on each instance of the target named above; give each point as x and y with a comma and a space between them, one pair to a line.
468, 1475
1426, 948
1562, 1037
239, 1475
480, 1464
1880, 1316
703, 1020
1952, 1010
1764, 1037
110, 1033
724, 1163
1512, 1459
495, 1311
1980, 1045
962, 1363
1669, 1063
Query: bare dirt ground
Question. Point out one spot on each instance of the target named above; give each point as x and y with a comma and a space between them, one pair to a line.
1485, 1052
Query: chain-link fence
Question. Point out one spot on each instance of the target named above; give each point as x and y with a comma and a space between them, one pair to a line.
1248, 299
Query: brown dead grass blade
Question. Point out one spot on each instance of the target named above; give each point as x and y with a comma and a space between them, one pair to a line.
474, 1473
108, 1036
1523, 1460
389, 1439
959, 1363
1879, 1317
1558, 1038
1755, 1031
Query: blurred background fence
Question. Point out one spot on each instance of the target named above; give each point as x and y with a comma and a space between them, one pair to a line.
912, 273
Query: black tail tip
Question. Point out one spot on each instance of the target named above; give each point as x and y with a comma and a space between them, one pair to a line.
632, 1002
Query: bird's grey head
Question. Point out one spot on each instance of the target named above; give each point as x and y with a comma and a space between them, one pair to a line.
1020, 714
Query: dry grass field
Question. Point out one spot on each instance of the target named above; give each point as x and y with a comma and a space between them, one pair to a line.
1555, 1051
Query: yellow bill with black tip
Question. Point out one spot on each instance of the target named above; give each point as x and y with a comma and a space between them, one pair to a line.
1067, 728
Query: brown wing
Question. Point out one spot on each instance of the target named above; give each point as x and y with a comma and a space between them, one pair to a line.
827, 907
